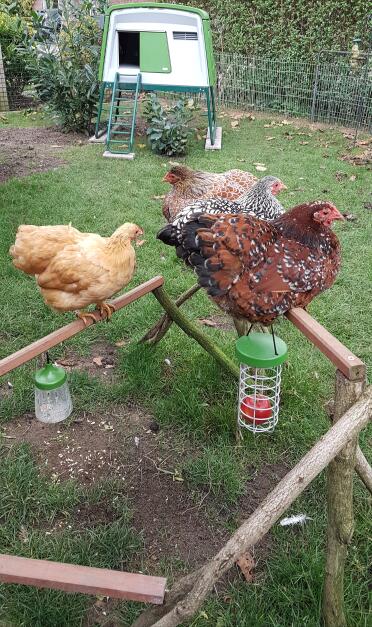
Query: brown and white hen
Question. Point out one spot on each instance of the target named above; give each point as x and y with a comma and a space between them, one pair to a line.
256, 270
189, 185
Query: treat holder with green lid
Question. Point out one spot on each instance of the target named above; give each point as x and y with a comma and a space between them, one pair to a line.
52, 396
261, 357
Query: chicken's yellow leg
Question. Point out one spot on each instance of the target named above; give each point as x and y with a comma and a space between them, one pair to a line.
106, 308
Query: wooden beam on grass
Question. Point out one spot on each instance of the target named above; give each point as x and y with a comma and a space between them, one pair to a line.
349, 364
64, 333
73, 578
188, 594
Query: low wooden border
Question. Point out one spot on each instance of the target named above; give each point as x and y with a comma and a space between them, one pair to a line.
73, 578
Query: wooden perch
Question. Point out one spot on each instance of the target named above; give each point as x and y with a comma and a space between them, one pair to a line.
340, 507
186, 597
348, 363
192, 331
47, 342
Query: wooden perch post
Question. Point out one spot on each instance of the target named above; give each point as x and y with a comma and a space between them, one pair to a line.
186, 596
340, 507
158, 330
192, 331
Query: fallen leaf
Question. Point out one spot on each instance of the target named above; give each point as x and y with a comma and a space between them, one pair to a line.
66, 362
368, 205
269, 139
121, 343
261, 168
257, 163
246, 565
97, 360
207, 322
304, 143
167, 361
352, 177
241, 160
340, 175
141, 145
285, 122
234, 123
158, 197
136, 440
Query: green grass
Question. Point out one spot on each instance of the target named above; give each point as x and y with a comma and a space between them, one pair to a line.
193, 395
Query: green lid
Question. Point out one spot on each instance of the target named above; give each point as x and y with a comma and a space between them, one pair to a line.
257, 350
50, 377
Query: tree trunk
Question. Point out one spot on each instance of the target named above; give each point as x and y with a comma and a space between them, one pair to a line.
191, 591
340, 507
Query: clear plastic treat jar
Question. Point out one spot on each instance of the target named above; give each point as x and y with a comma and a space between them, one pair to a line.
52, 396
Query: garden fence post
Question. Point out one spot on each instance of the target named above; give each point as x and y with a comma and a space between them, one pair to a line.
4, 103
340, 525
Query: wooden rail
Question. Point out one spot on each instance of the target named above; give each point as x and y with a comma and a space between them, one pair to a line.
72, 578
350, 365
58, 336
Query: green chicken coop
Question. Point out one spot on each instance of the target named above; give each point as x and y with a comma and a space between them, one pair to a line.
152, 46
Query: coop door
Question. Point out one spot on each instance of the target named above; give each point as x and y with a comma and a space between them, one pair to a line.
129, 48
154, 52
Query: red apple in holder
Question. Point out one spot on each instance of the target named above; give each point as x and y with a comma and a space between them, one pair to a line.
256, 409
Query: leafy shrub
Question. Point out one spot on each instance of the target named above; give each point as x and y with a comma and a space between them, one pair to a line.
168, 131
11, 36
64, 58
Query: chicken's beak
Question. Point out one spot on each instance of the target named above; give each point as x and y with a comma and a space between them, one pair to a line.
337, 215
283, 187
139, 242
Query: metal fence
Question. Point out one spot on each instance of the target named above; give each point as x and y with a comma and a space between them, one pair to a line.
337, 88
16, 89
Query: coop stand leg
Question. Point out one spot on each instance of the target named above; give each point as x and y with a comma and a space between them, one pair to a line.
340, 508
158, 330
192, 331
100, 106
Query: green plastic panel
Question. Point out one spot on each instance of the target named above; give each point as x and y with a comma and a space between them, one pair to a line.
154, 52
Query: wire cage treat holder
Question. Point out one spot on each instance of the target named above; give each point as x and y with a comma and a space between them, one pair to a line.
261, 357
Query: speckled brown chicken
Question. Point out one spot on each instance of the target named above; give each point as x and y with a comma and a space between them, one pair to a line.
258, 270
189, 185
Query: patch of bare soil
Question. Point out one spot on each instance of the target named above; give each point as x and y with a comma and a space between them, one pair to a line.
24, 151
126, 443
101, 361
